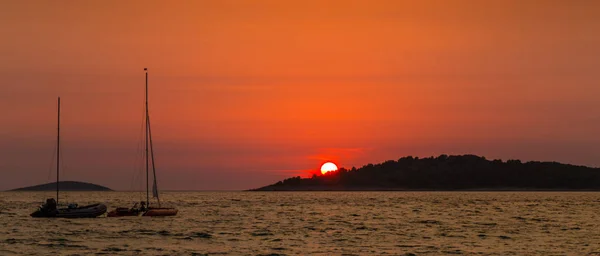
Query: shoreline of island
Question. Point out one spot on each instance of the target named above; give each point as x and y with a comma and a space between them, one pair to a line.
64, 186
450, 173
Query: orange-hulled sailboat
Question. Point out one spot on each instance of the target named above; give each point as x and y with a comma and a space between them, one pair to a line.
144, 208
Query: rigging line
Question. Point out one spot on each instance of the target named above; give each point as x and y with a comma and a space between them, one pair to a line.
136, 174
52, 163
155, 184
136, 159
133, 173
138, 171
140, 153
64, 167
51, 168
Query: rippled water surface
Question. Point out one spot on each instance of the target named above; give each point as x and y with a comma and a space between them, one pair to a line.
315, 223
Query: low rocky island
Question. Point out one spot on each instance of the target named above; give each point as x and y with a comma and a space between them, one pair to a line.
450, 173
65, 186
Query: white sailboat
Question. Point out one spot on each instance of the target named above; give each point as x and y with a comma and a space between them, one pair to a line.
144, 208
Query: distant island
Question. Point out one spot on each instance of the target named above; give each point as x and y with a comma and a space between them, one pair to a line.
65, 186
449, 173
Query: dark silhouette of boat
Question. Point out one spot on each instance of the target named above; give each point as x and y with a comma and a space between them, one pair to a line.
50, 208
144, 208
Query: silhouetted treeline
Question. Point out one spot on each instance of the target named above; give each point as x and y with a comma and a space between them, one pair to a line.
467, 172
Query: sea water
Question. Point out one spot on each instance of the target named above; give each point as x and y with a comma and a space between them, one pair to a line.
313, 223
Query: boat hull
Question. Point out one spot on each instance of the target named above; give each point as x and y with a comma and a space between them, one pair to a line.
88, 211
123, 212
151, 212
159, 212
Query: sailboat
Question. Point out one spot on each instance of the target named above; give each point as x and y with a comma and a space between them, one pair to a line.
144, 208
50, 208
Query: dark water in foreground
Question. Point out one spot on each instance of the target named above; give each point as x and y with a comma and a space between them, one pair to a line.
315, 223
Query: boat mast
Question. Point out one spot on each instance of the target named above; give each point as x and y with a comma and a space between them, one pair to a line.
58, 151
149, 137
146, 133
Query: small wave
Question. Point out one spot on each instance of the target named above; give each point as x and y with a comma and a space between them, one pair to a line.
63, 245
8, 252
540, 220
201, 235
453, 252
486, 223
406, 246
155, 249
429, 222
11, 241
113, 249
261, 233
196, 235
60, 240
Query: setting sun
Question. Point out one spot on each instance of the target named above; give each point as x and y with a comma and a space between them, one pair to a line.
328, 167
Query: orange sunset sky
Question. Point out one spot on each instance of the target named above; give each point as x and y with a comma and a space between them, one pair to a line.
246, 93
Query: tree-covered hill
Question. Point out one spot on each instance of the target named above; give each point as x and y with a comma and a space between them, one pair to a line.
466, 172
66, 186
